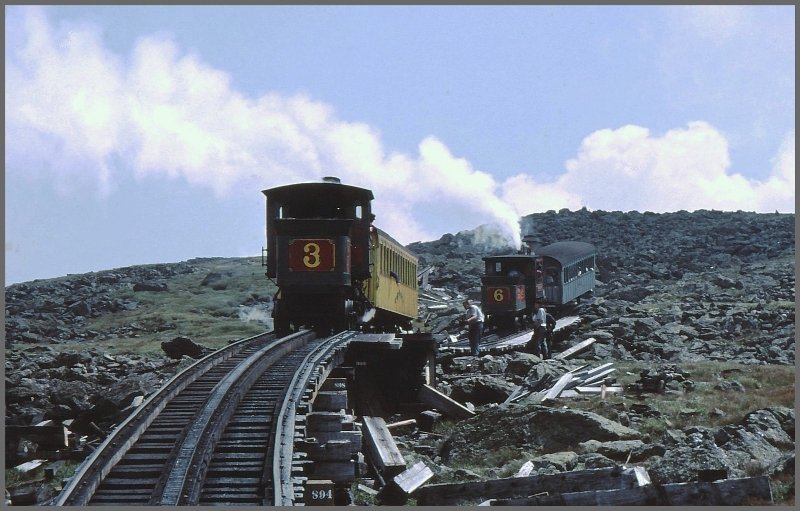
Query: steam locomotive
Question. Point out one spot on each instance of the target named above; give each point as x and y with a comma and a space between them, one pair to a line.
334, 269
554, 275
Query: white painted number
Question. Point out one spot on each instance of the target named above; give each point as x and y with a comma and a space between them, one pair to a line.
321, 494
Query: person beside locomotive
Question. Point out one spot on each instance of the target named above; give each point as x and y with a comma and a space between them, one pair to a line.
539, 341
474, 318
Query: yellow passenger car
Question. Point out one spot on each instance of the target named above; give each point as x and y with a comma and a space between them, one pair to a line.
393, 285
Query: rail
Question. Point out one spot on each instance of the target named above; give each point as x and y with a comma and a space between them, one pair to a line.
97, 466
222, 431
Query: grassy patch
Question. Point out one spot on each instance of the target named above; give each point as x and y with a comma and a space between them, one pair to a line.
211, 315
764, 386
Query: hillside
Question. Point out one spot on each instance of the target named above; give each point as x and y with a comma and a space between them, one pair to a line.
707, 296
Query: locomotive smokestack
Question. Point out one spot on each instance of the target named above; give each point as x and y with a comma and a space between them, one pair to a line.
530, 241
332, 179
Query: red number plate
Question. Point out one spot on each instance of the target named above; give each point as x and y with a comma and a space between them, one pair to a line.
498, 294
312, 255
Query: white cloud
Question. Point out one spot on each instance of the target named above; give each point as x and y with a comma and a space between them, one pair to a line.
87, 114
686, 168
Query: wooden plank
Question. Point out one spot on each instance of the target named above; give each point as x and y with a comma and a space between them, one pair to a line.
330, 401
598, 377
443, 403
326, 436
635, 476
402, 424
727, 492
328, 421
382, 448
556, 389
29, 466
575, 349
517, 394
333, 450
574, 481
582, 373
413, 478
336, 471
598, 390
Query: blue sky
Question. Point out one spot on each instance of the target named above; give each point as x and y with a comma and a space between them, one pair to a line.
144, 134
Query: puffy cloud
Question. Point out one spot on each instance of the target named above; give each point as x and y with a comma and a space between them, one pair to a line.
87, 115
686, 168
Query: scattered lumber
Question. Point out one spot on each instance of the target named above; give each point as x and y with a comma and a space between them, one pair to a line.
578, 382
727, 492
432, 397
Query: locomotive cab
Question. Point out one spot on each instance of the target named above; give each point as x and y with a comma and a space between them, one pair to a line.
509, 286
318, 249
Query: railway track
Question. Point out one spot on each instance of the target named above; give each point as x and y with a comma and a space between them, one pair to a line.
220, 432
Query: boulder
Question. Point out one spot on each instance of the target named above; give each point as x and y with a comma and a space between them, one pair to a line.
180, 346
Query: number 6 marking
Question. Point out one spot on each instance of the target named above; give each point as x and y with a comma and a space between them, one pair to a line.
498, 295
312, 260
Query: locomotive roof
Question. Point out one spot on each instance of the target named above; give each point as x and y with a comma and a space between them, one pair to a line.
566, 252
511, 258
331, 191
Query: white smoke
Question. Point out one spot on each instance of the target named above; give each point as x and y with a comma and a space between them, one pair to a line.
263, 315
367, 316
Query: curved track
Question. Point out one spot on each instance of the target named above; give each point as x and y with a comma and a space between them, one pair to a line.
220, 432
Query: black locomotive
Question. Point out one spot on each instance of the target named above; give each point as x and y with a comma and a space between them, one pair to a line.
334, 269
554, 275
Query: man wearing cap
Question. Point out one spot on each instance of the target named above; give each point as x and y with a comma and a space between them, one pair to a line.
475, 324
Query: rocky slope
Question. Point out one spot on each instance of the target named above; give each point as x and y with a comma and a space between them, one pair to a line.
675, 288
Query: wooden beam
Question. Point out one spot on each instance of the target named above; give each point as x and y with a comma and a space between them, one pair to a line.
727, 492
575, 349
556, 389
598, 377
475, 491
598, 390
332, 450
413, 478
443, 403
400, 424
382, 448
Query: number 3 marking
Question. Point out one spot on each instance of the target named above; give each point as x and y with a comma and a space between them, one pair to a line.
312, 260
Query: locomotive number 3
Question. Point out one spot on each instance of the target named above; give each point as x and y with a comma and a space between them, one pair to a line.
311, 260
